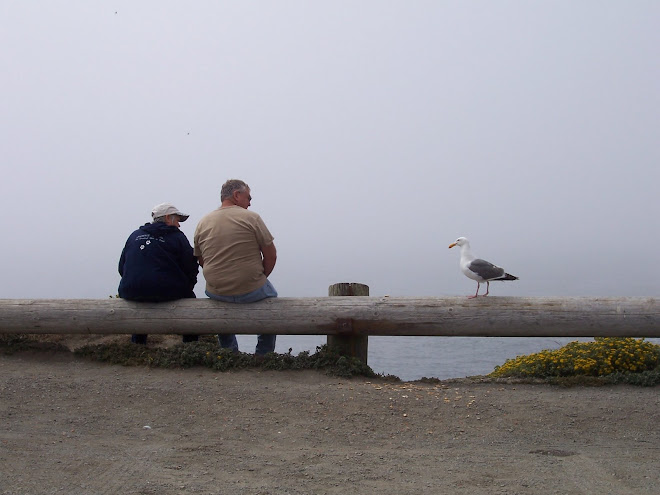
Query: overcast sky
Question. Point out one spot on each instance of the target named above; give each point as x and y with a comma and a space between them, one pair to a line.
372, 134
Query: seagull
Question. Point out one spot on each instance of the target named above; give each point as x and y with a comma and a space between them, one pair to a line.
477, 269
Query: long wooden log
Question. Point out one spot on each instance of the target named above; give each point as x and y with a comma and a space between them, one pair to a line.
430, 316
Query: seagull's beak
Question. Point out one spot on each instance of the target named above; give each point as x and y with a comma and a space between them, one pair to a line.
452, 244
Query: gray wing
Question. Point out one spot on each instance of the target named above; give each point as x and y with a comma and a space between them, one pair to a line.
485, 270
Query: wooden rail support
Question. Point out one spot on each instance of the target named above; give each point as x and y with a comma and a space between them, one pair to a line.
347, 341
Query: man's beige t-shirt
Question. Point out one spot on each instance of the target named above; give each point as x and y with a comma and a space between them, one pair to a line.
228, 240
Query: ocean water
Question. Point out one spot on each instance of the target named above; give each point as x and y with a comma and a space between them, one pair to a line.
411, 358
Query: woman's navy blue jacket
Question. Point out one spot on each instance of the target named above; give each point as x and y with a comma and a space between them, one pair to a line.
157, 264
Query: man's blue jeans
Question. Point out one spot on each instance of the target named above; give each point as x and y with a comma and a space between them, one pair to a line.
265, 343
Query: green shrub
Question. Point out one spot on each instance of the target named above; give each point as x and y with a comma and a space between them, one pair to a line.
622, 360
12, 343
207, 354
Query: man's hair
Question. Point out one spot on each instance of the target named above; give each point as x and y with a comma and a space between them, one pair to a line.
159, 219
230, 186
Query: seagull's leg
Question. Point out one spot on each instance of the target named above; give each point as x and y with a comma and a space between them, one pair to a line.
476, 294
487, 287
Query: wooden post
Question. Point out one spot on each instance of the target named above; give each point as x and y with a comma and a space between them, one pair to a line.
348, 342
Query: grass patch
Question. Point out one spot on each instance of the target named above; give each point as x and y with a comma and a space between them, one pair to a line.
205, 353
208, 355
11, 344
605, 361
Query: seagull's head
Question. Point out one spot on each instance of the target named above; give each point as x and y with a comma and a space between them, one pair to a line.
461, 241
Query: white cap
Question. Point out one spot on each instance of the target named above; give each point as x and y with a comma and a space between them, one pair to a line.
168, 209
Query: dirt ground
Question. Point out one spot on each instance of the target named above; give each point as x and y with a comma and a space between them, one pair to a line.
79, 427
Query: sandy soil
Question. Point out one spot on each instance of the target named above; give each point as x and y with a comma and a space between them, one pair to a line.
79, 427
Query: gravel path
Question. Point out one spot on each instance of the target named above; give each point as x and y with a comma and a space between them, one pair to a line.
78, 427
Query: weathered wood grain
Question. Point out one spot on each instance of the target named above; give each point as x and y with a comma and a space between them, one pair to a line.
441, 316
349, 342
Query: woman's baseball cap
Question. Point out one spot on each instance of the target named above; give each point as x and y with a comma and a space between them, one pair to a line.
168, 209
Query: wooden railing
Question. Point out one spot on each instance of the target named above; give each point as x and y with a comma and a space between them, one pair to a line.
351, 318
442, 316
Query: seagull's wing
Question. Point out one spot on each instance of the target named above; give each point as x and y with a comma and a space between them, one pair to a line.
484, 269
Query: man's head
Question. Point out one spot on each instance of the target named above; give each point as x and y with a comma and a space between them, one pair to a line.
235, 192
169, 214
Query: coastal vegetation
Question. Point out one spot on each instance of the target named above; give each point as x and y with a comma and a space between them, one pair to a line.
204, 353
601, 361
207, 354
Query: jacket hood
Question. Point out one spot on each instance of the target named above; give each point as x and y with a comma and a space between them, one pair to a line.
158, 228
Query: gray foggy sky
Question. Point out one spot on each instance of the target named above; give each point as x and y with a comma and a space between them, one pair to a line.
372, 134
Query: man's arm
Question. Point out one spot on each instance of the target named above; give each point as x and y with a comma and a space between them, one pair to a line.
200, 260
270, 257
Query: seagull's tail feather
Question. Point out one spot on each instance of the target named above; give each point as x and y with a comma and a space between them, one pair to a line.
507, 276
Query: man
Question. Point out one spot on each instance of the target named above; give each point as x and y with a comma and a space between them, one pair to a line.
236, 251
157, 263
